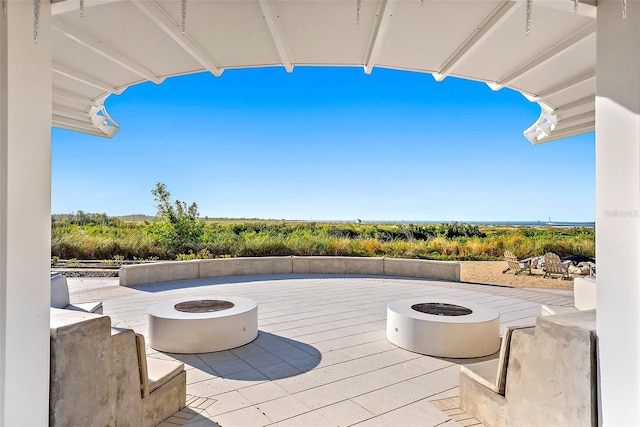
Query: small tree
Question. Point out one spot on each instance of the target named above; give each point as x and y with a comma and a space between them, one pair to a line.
178, 226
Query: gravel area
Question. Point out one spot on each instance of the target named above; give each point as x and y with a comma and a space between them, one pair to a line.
490, 272
87, 272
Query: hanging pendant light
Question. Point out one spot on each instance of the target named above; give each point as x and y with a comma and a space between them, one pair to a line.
82, 8
529, 7
36, 20
184, 16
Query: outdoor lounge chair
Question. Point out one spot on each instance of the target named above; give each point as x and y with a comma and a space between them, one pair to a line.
60, 296
102, 376
162, 386
553, 266
518, 266
545, 376
493, 373
584, 296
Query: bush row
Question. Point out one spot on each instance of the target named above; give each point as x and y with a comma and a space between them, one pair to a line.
105, 239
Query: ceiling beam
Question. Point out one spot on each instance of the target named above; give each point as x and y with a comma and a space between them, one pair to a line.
567, 84
378, 34
62, 6
70, 113
72, 97
271, 16
587, 101
104, 50
83, 78
578, 118
549, 54
160, 18
576, 129
76, 125
568, 131
81, 124
586, 8
499, 15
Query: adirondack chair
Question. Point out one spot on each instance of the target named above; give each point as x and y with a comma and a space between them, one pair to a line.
518, 266
553, 266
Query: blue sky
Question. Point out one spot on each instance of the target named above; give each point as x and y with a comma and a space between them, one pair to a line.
326, 143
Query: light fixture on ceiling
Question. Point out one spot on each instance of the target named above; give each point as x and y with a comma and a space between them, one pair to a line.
529, 7
184, 16
36, 20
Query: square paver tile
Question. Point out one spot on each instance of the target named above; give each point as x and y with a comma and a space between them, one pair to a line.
196, 375
209, 388
392, 397
283, 408
319, 397
212, 359
279, 370
244, 379
297, 383
305, 364
248, 350
263, 392
227, 402
340, 414
294, 353
410, 415
245, 417
266, 359
231, 367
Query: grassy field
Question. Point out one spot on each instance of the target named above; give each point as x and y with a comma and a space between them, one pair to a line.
99, 237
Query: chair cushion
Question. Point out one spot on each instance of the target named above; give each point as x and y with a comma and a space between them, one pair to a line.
160, 372
493, 373
59, 291
90, 307
584, 292
484, 373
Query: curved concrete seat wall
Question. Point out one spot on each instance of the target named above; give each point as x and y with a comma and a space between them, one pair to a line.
159, 272
140, 274
338, 265
429, 269
245, 266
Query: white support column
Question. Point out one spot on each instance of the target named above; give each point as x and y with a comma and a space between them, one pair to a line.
618, 211
25, 214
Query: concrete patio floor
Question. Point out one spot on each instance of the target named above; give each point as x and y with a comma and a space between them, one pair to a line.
321, 357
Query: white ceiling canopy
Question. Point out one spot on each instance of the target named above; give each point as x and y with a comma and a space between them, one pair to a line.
544, 49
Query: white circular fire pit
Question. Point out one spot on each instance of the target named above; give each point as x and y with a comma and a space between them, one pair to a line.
202, 325
443, 328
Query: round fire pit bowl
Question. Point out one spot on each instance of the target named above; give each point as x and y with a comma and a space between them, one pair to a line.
202, 325
443, 327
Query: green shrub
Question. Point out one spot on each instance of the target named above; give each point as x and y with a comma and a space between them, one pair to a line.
178, 226
117, 241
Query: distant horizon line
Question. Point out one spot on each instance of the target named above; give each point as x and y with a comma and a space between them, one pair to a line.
374, 221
